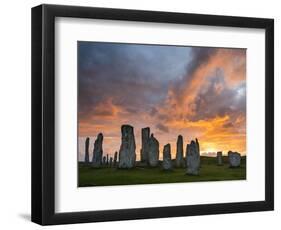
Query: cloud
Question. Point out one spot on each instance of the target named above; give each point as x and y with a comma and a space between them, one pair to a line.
228, 125
153, 111
215, 98
162, 128
200, 56
135, 76
217, 84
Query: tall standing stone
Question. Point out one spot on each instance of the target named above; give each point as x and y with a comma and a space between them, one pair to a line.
167, 160
87, 143
145, 136
127, 152
107, 161
193, 158
198, 149
104, 160
97, 153
115, 159
219, 158
234, 159
179, 154
110, 161
153, 153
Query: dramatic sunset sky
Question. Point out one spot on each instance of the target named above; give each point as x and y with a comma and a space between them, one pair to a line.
193, 91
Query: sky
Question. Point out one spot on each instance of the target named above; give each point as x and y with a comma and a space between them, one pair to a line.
196, 92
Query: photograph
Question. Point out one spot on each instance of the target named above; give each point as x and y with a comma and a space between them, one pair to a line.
153, 113
140, 114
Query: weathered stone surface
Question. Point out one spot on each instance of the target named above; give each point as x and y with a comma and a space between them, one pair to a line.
127, 152
234, 159
153, 153
104, 160
219, 158
145, 136
167, 161
107, 161
97, 153
87, 144
179, 154
198, 149
110, 161
115, 159
193, 158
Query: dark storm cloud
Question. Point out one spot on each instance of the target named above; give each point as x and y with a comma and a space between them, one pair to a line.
215, 98
133, 77
199, 57
136, 79
162, 128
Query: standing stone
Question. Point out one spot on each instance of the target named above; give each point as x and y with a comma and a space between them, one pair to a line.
107, 162
127, 152
179, 155
198, 149
234, 159
167, 161
97, 153
87, 143
219, 158
145, 136
104, 160
192, 158
115, 159
110, 161
153, 153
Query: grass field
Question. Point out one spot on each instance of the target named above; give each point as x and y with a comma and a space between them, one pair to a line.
209, 171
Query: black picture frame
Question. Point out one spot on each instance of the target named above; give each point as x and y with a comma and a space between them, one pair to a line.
43, 114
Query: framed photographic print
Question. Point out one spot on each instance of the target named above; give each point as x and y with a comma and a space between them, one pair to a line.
142, 114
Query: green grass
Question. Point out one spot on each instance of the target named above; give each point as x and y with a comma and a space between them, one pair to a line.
209, 171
